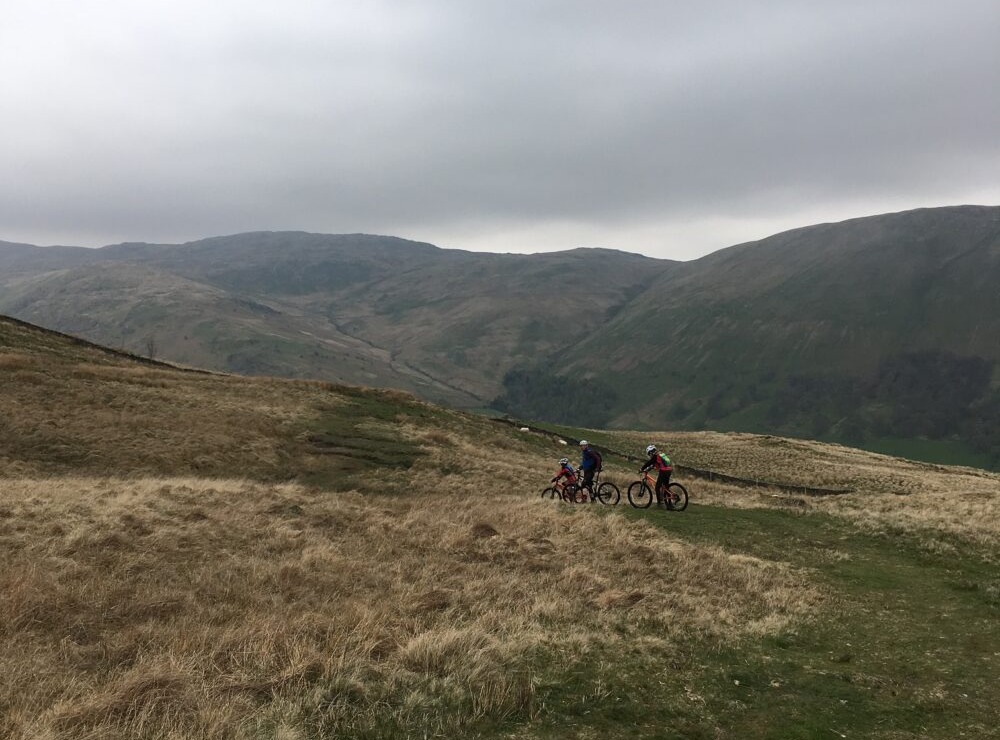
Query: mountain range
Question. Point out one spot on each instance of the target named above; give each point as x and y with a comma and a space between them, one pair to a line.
876, 331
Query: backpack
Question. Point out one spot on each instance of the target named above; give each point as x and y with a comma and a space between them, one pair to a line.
598, 460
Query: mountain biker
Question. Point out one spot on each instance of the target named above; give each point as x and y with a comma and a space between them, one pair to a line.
590, 463
661, 461
565, 470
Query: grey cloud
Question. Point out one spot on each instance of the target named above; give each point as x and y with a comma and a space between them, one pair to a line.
170, 121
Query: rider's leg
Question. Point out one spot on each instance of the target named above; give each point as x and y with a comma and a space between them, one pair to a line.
662, 488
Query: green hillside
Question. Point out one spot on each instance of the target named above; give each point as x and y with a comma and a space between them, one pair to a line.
875, 328
146, 309
354, 308
878, 331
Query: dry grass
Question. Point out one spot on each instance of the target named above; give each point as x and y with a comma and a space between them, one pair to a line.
176, 564
890, 493
160, 579
105, 419
192, 608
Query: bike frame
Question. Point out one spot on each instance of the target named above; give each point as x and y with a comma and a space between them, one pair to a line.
561, 486
651, 481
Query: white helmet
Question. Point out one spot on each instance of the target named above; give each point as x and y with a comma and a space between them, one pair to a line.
564, 461
651, 449
584, 443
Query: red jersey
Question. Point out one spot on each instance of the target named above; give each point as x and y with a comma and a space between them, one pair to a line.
568, 472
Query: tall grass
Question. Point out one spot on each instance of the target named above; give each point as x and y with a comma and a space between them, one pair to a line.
160, 608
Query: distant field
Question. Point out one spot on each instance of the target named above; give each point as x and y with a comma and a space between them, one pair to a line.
203, 556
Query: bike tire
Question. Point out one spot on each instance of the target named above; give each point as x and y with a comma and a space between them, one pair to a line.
676, 489
569, 494
549, 493
640, 495
608, 494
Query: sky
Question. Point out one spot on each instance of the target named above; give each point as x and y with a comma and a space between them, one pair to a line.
656, 126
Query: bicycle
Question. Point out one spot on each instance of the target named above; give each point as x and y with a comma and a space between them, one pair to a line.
564, 491
640, 494
607, 492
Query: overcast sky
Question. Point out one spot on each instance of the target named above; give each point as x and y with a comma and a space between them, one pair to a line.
656, 126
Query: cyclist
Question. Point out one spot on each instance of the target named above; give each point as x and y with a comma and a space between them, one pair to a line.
565, 470
590, 463
661, 461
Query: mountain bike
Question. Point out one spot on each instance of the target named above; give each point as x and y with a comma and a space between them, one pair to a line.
640, 494
565, 491
607, 492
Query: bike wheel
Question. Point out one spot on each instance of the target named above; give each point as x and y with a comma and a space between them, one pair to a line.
640, 495
549, 493
678, 496
608, 494
569, 494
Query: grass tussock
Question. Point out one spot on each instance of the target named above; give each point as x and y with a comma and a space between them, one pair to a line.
192, 608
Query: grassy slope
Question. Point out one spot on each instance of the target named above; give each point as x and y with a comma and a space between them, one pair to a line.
834, 328
809, 317
948, 451
472, 317
214, 556
150, 591
444, 324
125, 304
829, 303
907, 644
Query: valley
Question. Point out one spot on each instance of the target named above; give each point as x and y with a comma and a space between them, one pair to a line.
878, 332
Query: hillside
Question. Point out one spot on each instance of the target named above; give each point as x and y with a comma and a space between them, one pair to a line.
881, 327
198, 555
141, 308
879, 331
353, 308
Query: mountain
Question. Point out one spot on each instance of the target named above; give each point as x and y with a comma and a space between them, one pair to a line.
880, 331
875, 327
446, 324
